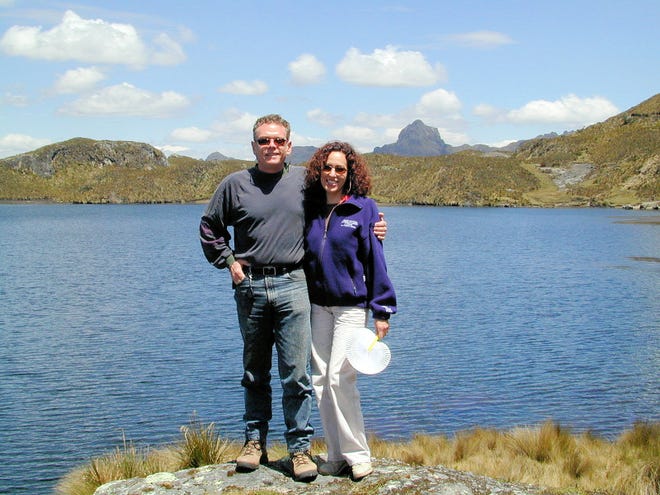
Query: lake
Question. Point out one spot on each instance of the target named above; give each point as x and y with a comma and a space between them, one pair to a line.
113, 324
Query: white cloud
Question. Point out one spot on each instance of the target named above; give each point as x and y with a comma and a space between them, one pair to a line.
13, 144
14, 100
439, 102
126, 99
79, 80
233, 133
302, 140
438, 108
245, 88
230, 135
235, 126
388, 67
453, 138
169, 149
186, 34
481, 39
168, 51
500, 144
570, 110
191, 134
487, 111
90, 41
306, 69
363, 138
322, 118
437, 105
391, 135
378, 120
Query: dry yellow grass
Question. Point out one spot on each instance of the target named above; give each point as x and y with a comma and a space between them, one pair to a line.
547, 455
123, 463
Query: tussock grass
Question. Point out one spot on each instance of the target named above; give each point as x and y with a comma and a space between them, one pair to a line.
127, 461
201, 446
546, 455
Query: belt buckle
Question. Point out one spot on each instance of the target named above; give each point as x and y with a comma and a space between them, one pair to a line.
270, 271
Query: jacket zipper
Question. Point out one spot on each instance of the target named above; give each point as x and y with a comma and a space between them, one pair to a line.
325, 230
325, 237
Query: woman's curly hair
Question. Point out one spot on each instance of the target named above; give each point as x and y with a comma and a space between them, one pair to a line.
358, 180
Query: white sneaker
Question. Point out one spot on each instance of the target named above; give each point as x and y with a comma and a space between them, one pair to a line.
361, 470
333, 468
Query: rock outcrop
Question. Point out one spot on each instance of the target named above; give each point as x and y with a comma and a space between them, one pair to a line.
390, 477
81, 151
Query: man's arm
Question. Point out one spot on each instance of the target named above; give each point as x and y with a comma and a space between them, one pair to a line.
215, 243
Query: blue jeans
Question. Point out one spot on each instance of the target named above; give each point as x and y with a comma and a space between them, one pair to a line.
276, 310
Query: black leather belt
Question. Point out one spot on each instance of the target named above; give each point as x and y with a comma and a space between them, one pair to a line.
270, 270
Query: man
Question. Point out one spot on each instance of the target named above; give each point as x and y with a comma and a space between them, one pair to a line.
264, 205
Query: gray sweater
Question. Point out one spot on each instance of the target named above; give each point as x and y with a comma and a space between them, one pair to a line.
266, 213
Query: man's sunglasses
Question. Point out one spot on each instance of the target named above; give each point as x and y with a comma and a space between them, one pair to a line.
265, 141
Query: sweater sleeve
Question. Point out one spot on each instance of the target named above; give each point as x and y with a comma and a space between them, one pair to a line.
382, 297
213, 230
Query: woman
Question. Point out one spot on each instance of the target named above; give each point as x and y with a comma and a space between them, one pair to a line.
347, 277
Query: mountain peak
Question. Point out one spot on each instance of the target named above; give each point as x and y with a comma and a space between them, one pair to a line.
416, 139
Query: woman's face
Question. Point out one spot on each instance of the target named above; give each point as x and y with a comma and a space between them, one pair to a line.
333, 175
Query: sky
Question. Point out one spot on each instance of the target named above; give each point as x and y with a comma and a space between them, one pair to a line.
192, 77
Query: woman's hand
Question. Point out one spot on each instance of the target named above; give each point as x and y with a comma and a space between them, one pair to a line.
380, 227
382, 327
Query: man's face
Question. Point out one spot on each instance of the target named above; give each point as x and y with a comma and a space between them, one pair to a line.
271, 147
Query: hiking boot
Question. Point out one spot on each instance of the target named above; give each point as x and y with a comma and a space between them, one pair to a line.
361, 470
304, 468
333, 468
252, 454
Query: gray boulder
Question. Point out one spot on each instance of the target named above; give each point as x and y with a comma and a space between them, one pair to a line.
389, 477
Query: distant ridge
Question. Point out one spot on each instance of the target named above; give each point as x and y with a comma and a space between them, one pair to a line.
416, 139
217, 157
614, 162
301, 154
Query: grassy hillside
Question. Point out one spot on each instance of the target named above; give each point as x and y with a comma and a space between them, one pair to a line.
466, 178
619, 160
624, 151
184, 180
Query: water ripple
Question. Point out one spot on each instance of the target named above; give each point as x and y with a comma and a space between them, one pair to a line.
507, 317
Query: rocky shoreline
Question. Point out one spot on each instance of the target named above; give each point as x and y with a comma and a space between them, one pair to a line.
390, 477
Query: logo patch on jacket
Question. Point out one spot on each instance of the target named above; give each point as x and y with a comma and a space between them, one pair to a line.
351, 224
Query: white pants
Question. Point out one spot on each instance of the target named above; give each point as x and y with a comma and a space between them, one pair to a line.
335, 382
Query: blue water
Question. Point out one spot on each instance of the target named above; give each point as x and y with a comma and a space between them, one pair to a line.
113, 324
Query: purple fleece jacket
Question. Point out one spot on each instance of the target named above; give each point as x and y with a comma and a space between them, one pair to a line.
345, 266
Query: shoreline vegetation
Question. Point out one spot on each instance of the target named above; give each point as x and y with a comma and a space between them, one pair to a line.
466, 179
547, 455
